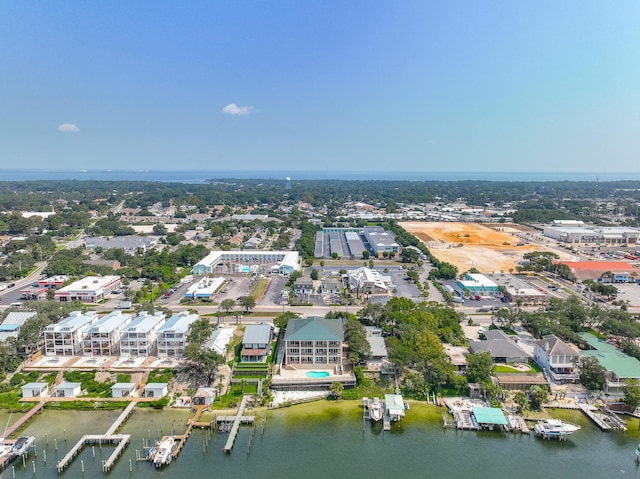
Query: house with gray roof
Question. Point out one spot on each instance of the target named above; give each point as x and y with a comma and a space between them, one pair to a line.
556, 357
502, 348
314, 341
138, 338
256, 343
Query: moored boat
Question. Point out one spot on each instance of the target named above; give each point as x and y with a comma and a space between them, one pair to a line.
22, 446
164, 451
554, 428
375, 410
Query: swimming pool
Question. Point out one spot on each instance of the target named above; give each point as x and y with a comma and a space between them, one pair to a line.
317, 374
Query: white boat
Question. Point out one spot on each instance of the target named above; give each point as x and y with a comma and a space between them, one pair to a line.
375, 410
164, 451
22, 445
554, 428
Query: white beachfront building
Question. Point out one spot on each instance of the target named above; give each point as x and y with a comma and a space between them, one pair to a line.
65, 338
172, 335
138, 338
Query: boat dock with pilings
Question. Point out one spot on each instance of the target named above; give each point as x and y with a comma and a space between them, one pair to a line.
109, 437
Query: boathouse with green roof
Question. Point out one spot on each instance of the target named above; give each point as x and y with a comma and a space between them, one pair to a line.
619, 365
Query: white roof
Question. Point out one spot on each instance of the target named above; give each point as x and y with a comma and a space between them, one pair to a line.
109, 323
219, 340
73, 322
481, 279
90, 283
144, 322
205, 287
179, 323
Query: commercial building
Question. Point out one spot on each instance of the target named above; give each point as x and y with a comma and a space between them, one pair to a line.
204, 289
65, 337
365, 280
103, 337
477, 285
380, 241
88, 290
581, 233
622, 272
129, 243
172, 335
138, 338
282, 262
314, 341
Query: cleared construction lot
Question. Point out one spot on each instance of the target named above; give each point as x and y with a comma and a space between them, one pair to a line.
488, 248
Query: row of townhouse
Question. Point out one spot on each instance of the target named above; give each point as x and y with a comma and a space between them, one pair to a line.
118, 334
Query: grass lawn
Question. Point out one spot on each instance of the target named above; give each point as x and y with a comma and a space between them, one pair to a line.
260, 287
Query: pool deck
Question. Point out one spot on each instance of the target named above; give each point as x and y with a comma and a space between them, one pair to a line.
291, 379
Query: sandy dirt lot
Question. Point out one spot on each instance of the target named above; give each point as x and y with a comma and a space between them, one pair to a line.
472, 245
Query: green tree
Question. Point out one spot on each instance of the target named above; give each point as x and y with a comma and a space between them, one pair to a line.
520, 398
282, 320
247, 302
314, 274
538, 394
592, 374
336, 389
227, 305
479, 367
631, 392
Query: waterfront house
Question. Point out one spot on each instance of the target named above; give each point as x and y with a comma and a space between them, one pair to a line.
123, 390
503, 349
619, 365
155, 390
34, 390
67, 390
138, 338
314, 341
65, 338
103, 337
555, 356
172, 335
256, 343
219, 340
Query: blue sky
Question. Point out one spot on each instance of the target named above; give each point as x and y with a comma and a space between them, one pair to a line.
320, 85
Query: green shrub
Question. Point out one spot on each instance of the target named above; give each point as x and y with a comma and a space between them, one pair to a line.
17, 379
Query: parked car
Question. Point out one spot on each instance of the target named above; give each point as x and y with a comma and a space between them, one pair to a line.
11, 285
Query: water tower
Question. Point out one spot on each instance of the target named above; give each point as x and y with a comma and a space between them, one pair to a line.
287, 184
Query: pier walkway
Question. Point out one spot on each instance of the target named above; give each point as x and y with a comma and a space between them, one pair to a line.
21, 422
236, 424
121, 439
109, 437
118, 422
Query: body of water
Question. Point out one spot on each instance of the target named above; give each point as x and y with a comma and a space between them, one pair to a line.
196, 177
324, 439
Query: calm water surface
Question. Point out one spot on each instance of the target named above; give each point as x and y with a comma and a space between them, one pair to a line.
321, 440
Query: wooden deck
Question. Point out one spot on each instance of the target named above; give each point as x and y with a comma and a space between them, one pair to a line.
237, 420
121, 439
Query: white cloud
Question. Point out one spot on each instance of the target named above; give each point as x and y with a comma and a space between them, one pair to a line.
68, 128
233, 109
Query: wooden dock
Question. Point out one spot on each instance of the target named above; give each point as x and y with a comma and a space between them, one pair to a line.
237, 420
23, 420
121, 439
589, 411
109, 437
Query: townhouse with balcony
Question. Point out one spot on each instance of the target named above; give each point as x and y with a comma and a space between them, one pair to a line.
65, 338
138, 338
313, 342
103, 337
172, 335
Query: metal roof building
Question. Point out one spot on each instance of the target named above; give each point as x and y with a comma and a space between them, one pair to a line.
11, 325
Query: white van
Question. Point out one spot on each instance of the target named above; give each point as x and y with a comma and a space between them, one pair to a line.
458, 299
17, 304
